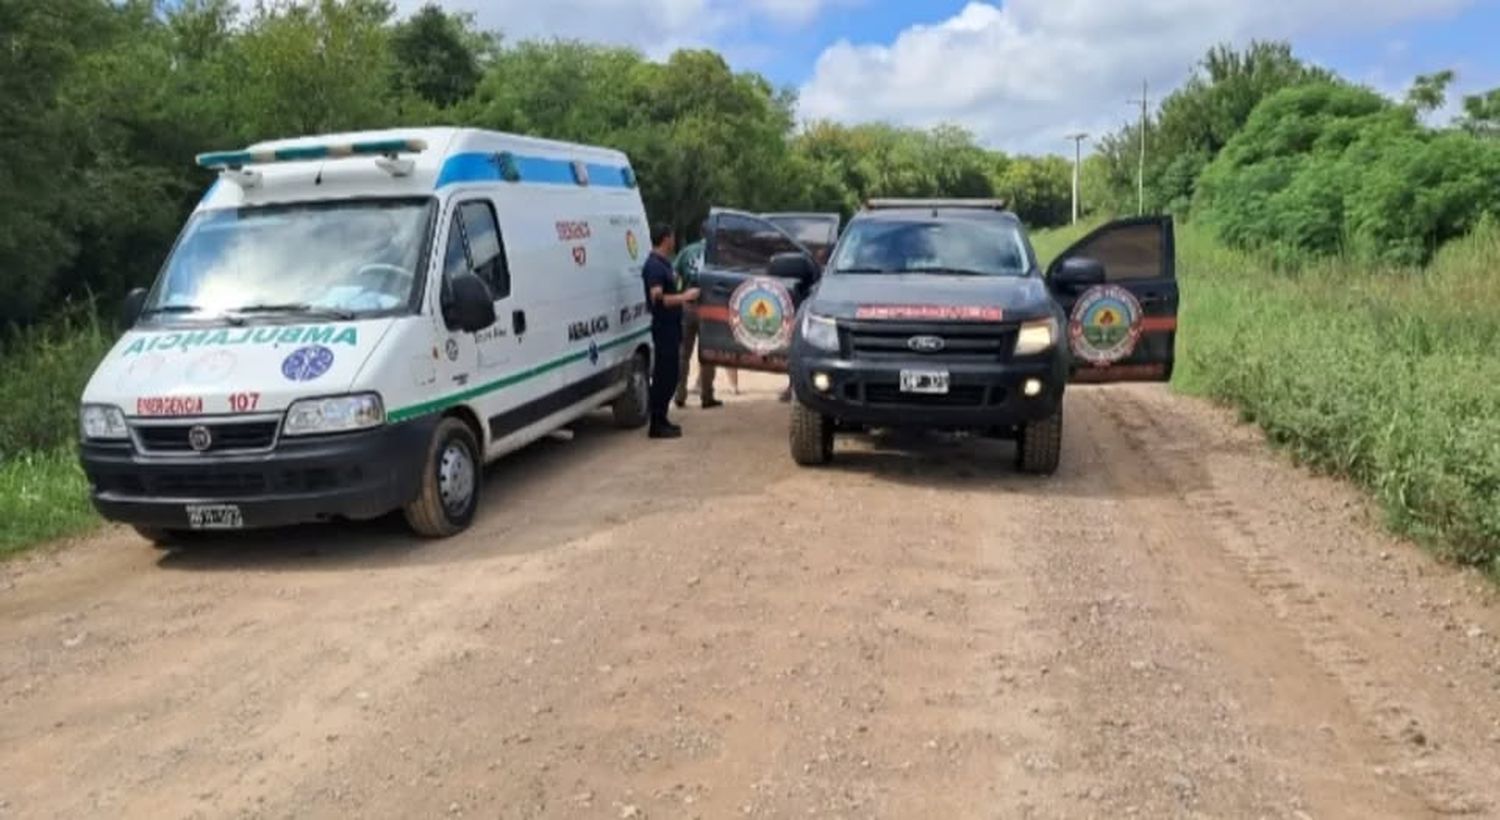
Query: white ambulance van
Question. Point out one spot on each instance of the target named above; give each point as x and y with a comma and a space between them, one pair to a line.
355, 324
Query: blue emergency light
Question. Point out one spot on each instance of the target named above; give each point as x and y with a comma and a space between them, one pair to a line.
232, 160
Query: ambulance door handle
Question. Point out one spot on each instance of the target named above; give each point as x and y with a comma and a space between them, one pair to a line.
518, 322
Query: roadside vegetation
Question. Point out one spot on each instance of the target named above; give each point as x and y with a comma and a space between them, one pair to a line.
1338, 248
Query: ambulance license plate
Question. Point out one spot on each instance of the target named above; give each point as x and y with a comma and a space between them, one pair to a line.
930, 382
215, 517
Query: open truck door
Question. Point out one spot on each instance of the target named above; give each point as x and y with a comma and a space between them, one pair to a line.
753, 278
1118, 289
816, 232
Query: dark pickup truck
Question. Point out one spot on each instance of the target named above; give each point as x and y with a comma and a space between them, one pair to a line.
937, 314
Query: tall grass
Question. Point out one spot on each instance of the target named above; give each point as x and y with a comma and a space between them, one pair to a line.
43, 493
1390, 377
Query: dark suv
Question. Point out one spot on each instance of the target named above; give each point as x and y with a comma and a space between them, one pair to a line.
936, 314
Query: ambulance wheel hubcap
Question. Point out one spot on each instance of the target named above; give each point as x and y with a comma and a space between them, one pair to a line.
456, 478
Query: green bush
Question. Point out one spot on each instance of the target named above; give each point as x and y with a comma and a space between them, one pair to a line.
44, 369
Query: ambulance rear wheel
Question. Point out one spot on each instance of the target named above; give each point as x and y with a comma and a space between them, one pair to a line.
633, 408
451, 480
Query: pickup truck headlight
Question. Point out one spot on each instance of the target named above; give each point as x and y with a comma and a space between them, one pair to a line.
1036, 337
102, 422
820, 331
339, 414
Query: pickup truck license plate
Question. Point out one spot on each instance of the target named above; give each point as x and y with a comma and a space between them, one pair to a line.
932, 382
215, 517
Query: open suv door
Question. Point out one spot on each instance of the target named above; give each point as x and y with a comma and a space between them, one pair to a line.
753, 278
1118, 288
817, 232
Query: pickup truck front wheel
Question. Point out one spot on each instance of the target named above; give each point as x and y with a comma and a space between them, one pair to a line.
812, 436
1039, 446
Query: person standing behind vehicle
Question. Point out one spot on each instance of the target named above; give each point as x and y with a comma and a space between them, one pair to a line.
666, 297
689, 262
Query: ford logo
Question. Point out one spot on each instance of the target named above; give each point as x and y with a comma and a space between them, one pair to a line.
925, 344
199, 438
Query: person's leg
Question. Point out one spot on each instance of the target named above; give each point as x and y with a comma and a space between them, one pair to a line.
684, 361
706, 373
734, 379
664, 377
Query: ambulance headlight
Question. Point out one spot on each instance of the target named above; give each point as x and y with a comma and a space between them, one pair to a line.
820, 331
102, 422
1036, 337
338, 414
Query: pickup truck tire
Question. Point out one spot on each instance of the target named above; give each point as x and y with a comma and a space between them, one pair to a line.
1039, 446
811, 436
633, 408
451, 480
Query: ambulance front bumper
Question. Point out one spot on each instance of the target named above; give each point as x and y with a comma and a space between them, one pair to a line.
351, 476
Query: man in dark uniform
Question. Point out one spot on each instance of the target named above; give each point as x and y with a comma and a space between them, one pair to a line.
666, 297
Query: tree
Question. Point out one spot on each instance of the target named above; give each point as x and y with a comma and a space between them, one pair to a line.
1429, 92
1482, 114
438, 55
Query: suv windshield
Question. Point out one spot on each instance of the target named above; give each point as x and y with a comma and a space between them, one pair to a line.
949, 246
350, 258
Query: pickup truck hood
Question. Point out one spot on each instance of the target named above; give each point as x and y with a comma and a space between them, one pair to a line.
932, 296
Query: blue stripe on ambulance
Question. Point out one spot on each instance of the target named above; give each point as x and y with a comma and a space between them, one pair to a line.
478, 167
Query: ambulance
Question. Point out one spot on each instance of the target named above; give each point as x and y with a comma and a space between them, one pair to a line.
355, 324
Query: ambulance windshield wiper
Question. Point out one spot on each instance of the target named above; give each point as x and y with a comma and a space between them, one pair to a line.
152, 311
298, 307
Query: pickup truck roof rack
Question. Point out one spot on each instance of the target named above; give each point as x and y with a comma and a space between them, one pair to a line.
975, 204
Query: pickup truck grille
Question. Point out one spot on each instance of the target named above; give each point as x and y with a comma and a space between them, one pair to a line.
888, 341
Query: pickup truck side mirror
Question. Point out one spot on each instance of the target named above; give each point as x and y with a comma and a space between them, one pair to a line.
470, 307
1079, 272
130, 310
791, 265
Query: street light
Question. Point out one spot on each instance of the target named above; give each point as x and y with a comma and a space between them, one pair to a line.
1077, 139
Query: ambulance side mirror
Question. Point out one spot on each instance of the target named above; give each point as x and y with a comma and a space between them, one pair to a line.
470, 306
130, 311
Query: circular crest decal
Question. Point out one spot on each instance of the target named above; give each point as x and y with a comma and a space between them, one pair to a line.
1106, 325
761, 315
307, 363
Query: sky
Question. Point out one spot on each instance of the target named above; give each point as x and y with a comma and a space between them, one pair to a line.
1019, 74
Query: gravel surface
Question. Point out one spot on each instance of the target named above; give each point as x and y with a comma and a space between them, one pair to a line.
1178, 624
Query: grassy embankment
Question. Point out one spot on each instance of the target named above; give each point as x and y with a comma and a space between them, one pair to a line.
43, 494
1388, 377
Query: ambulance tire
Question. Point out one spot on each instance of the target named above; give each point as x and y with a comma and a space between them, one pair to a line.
1039, 445
451, 482
811, 436
633, 407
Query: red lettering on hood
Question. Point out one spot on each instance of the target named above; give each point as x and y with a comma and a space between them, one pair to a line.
169, 406
941, 313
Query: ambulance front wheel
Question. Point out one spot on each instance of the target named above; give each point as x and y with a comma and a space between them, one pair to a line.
451, 481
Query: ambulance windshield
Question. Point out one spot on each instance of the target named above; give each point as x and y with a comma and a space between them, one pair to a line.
353, 258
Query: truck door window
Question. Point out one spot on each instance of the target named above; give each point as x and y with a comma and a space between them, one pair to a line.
1128, 253
486, 249
746, 243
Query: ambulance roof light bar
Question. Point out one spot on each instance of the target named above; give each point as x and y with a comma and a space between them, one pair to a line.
232, 163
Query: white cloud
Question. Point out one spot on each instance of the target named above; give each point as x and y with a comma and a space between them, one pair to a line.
1024, 74
655, 26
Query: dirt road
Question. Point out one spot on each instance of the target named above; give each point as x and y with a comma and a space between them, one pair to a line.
1177, 625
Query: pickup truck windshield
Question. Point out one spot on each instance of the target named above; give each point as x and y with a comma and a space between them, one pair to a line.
349, 258
955, 246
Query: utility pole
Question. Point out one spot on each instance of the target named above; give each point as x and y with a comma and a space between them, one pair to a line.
1140, 180
1077, 163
